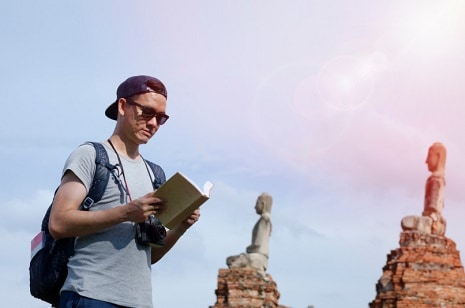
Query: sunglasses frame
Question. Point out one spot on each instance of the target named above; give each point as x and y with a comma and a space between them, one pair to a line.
149, 115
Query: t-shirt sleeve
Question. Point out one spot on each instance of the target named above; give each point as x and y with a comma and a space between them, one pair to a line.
82, 163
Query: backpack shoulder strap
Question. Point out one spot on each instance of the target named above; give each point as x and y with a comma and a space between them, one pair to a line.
158, 173
101, 176
99, 182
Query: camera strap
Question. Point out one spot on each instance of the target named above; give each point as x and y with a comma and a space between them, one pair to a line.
122, 170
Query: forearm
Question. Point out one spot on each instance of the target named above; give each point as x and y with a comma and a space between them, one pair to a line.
80, 223
172, 236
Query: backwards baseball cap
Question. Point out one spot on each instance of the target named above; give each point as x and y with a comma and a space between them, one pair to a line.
132, 86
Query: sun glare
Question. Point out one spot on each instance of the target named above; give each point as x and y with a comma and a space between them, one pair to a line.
346, 82
429, 29
434, 26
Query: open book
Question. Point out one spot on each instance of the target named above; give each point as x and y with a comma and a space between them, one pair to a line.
182, 197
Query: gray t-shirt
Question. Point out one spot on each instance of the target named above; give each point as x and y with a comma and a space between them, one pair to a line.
109, 265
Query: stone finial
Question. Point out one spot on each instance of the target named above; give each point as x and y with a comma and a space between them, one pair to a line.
431, 221
256, 255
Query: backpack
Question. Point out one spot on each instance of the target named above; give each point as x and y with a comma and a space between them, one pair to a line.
48, 267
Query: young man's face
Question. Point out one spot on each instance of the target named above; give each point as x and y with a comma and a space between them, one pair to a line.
143, 114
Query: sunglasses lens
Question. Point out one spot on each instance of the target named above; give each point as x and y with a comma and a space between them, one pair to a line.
161, 119
148, 114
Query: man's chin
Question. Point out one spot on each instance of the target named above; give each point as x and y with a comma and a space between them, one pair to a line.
144, 140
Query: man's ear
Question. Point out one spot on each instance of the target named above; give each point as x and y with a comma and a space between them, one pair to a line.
121, 106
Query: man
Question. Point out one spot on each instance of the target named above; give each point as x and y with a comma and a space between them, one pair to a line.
109, 267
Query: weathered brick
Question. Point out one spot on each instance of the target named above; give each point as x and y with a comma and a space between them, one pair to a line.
425, 271
247, 288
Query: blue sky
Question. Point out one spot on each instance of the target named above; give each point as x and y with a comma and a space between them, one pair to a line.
330, 107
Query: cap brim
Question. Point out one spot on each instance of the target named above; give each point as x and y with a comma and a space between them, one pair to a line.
112, 111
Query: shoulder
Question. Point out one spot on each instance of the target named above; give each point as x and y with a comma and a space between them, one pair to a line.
83, 155
85, 150
81, 162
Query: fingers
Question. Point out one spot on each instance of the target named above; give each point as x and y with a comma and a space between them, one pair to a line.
140, 209
151, 203
153, 209
159, 207
157, 204
194, 217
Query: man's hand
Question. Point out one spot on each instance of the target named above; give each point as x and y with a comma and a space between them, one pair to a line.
188, 222
140, 209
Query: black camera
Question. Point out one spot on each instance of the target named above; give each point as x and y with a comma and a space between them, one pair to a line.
151, 232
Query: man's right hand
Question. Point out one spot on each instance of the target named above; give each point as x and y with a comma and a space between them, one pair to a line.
140, 209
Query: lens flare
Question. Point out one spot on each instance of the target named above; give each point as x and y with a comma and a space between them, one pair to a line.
346, 82
422, 32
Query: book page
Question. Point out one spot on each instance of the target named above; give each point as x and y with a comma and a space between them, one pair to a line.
207, 187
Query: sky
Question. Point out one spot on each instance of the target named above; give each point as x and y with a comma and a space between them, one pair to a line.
329, 106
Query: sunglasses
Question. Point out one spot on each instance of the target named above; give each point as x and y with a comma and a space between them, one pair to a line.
148, 113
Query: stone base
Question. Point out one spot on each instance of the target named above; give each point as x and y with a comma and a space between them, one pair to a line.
425, 271
247, 288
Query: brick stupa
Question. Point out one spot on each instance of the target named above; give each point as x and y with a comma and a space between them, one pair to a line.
426, 270
245, 283
247, 288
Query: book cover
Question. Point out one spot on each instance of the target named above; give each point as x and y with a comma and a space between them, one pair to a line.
182, 197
